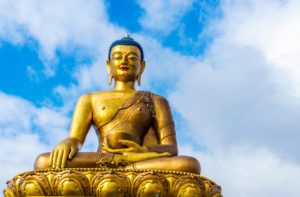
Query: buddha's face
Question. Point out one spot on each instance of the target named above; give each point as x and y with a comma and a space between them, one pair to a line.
125, 63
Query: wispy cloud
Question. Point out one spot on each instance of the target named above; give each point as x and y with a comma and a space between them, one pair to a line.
56, 25
25, 132
163, 16
248, 172
242, 99
271, 27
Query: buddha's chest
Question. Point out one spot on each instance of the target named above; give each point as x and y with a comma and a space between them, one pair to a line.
112, 110
105, 109
129, 123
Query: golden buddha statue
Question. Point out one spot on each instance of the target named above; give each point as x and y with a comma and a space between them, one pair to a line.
137, 154
135, 128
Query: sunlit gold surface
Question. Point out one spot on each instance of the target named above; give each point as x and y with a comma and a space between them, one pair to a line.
137, 154
137, 127
107, 182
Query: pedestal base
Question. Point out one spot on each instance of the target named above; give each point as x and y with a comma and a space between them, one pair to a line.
108, 182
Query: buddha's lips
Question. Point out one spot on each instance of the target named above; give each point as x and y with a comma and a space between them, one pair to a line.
124, 68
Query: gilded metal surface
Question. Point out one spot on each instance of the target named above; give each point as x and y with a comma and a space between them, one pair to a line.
71, 183
150, 184
34, 184
137, 154
110, 182
135, 126
188, 186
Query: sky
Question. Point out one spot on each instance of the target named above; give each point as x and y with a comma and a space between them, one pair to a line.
230, 70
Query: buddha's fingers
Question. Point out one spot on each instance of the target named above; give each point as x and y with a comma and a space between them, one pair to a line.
105, 145
166, 154
129, 143
54, 157
132, 146
108, 149
72, 152
64, 158
51, 158
120, 150
59, 158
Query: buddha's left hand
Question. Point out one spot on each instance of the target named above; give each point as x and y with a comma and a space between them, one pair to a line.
135, 157
131, 147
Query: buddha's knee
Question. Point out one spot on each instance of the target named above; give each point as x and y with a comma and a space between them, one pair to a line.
189, 164
42, 161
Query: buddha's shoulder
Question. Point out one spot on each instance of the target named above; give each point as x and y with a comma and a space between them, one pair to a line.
101, 94
95, 95
107, 94
158, 98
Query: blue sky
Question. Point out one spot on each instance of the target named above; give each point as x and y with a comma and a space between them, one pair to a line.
230, 70
26, 54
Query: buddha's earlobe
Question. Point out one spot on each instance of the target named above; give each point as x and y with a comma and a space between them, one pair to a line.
108, 67
110, 79
139, 77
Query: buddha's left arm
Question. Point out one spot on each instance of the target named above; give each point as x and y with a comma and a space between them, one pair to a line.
164, 126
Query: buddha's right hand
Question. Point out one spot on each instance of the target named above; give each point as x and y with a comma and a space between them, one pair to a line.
66, 149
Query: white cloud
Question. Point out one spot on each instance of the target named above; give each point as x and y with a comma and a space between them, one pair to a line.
88, 78
18, 154
162, 67
91, 142
241, 101
271, 27
234, 94
231, 98
57, 25
242, 95
163, 16
248, 171
25, 132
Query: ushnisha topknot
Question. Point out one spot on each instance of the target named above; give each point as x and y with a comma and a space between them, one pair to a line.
126, 41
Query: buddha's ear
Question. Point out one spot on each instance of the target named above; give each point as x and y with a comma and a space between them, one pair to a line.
143, 64
108, 67
139, 77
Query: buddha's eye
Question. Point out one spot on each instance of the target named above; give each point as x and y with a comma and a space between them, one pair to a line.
117, 57
132, 58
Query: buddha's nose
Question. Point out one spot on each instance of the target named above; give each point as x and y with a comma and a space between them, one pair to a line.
124, 62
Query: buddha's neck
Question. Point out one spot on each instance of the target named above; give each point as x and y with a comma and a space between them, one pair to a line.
124, 86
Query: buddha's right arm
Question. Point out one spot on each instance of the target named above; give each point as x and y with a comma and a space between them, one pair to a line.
81, 123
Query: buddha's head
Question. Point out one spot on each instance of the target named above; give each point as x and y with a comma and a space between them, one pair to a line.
125, 60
